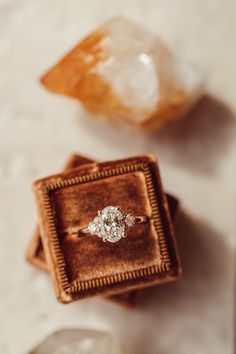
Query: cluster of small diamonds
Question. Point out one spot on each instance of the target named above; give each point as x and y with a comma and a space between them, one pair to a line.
111, 224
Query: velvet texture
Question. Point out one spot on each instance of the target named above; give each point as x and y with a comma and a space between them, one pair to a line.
85, 266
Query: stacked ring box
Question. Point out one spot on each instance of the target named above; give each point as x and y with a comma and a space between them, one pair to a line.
85, 266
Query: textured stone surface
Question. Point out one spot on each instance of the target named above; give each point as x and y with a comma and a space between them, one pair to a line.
78, 341
38, 132
124, 72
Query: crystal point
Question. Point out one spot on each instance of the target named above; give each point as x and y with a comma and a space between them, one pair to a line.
123, 72
79, 341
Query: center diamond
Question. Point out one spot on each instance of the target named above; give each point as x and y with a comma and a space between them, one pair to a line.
111, 224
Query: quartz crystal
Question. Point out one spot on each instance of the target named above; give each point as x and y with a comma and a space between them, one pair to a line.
123, 72
78, 341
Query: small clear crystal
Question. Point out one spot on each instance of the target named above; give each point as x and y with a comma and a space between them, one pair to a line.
78, 341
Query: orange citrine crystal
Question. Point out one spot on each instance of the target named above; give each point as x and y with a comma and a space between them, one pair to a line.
122, 72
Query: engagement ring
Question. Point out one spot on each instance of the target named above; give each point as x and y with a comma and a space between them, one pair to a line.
112, 223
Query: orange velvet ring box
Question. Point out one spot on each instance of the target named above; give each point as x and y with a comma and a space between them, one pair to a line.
35, 252
86, 266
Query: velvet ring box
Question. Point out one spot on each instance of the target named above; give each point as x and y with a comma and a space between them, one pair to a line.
35, 252
82, 267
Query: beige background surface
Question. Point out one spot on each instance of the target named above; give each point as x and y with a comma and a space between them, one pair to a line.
197, 157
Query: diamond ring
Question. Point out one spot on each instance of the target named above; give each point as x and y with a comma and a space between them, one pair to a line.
112, 223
